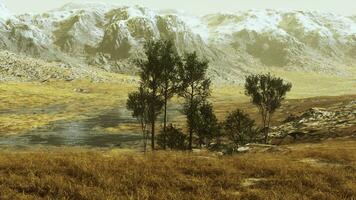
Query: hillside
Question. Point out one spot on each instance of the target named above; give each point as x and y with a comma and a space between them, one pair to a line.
109, 37
15, 67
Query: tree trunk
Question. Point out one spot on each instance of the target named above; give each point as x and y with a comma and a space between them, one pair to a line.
267, 127
144, 137
153, 135
264, 120
153, 118
190, 126
190, 139
266, 135
165, 122
145, 142
191, 120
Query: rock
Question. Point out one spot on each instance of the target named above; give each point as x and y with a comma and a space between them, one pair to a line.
251, 181
243, 149
260, 148
197, 150
254, 145
81, 90
315, 123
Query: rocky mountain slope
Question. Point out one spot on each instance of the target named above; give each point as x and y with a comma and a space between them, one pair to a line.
109, 37
21, 68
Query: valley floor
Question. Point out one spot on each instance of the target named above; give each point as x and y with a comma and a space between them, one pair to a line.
26, 106
324, 170
85, 113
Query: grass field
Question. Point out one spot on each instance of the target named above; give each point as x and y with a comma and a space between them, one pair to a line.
25, 106
305, 171
28, 105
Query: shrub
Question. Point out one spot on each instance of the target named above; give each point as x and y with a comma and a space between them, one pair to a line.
173, 138
240, 128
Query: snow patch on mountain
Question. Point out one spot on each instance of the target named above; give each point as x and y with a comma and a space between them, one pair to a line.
4, 11
196, 24
93, 6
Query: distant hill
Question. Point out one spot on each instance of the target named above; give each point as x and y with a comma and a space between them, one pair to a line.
109, 36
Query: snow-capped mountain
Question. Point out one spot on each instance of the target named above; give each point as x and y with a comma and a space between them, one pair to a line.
310, 40
109, 36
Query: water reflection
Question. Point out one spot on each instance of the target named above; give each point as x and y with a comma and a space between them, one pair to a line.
90, 132
79, 133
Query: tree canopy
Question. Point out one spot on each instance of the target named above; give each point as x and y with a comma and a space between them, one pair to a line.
266, 92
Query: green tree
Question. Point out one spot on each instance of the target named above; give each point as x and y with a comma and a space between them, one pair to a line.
240, 128
266, 92
138, 104
207, 125
194, 88
170, 61
151, 73
173, 138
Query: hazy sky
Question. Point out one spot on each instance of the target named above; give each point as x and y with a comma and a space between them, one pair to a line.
200, 7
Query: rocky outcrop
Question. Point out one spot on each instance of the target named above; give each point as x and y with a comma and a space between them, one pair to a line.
317, 123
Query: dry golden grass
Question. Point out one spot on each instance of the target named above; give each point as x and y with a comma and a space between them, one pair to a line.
289, 106
25, 106
317, 89
15, 98
312, 84
305, 171
18, 123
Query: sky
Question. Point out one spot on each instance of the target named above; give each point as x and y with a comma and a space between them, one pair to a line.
199, 7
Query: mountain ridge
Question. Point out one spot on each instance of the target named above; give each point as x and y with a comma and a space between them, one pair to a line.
109, 37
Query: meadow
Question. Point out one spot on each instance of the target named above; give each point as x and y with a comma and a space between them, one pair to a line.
325, 170
26, 106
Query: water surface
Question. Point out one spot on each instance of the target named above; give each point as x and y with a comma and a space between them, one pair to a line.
89, 132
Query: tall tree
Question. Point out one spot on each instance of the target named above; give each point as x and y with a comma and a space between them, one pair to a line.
194, 88
266, 92
170, 61
151, 73
138, 104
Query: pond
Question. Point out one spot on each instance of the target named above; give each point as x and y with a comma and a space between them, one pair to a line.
89, 132
79, 133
